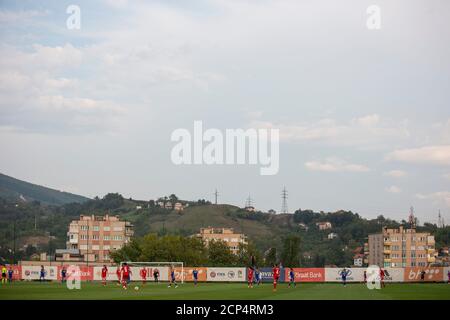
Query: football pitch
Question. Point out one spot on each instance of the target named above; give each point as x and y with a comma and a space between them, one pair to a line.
224, 291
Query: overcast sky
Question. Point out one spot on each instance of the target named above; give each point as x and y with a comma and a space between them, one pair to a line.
364, 115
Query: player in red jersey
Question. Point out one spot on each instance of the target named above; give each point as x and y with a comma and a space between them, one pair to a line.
382, 277
250, 277
276, 276
143, 274
126, 272
119, 275
104, 274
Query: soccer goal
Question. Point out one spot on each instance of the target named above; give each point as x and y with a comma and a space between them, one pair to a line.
166, 267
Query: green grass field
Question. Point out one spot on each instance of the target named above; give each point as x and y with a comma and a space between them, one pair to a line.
220, 291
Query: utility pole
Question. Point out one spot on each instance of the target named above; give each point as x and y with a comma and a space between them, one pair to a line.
216, 195
249, 202
87, 249
441, 223
14, 234
284, 197
50, 248
14, 241
411, 218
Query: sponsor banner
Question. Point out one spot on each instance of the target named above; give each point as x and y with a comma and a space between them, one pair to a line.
306, 274
86, 273
394, 274
266, 275
447, 274
226, 274
353, 274
34, 272
188, 277
432, 274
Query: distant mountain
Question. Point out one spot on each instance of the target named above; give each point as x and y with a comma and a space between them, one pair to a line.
14, 189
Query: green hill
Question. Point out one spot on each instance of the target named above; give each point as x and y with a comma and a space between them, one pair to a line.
16, 190
263, 229
37, 221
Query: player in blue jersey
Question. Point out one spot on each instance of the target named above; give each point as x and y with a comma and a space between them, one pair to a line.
42, 274
344, 273
172, 280
63, 275
257, 277
292, 278
10, 274
195, 276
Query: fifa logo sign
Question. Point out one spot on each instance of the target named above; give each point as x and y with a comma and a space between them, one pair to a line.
234, 147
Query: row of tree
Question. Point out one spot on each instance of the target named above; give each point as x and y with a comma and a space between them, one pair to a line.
194, 252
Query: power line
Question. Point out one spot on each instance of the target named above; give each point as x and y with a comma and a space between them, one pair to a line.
249, 202
284, 197
441, 223
216, 195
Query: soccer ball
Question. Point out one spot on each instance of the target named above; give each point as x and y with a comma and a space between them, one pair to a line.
136, 288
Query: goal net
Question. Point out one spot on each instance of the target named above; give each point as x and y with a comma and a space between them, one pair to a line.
164, 269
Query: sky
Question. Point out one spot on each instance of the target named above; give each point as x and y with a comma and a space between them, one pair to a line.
363, 114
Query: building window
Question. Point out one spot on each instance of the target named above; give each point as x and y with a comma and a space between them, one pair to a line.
106, 238
84, 227
96, 228
117, 228
106, 229
95, 237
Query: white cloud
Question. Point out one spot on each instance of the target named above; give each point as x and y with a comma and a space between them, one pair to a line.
433, 155
396, 173
393, 189
370, 131
14, 17
443, 131
335, 165
438, 198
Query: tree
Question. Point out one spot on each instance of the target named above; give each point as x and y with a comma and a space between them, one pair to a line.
151, 247
220, 255
245, 254
112, 201
305, 216
271, 257
291, 251
130, 252
173, 198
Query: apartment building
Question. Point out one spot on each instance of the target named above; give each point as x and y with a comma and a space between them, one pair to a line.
93, 237
226, 235
401, 248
